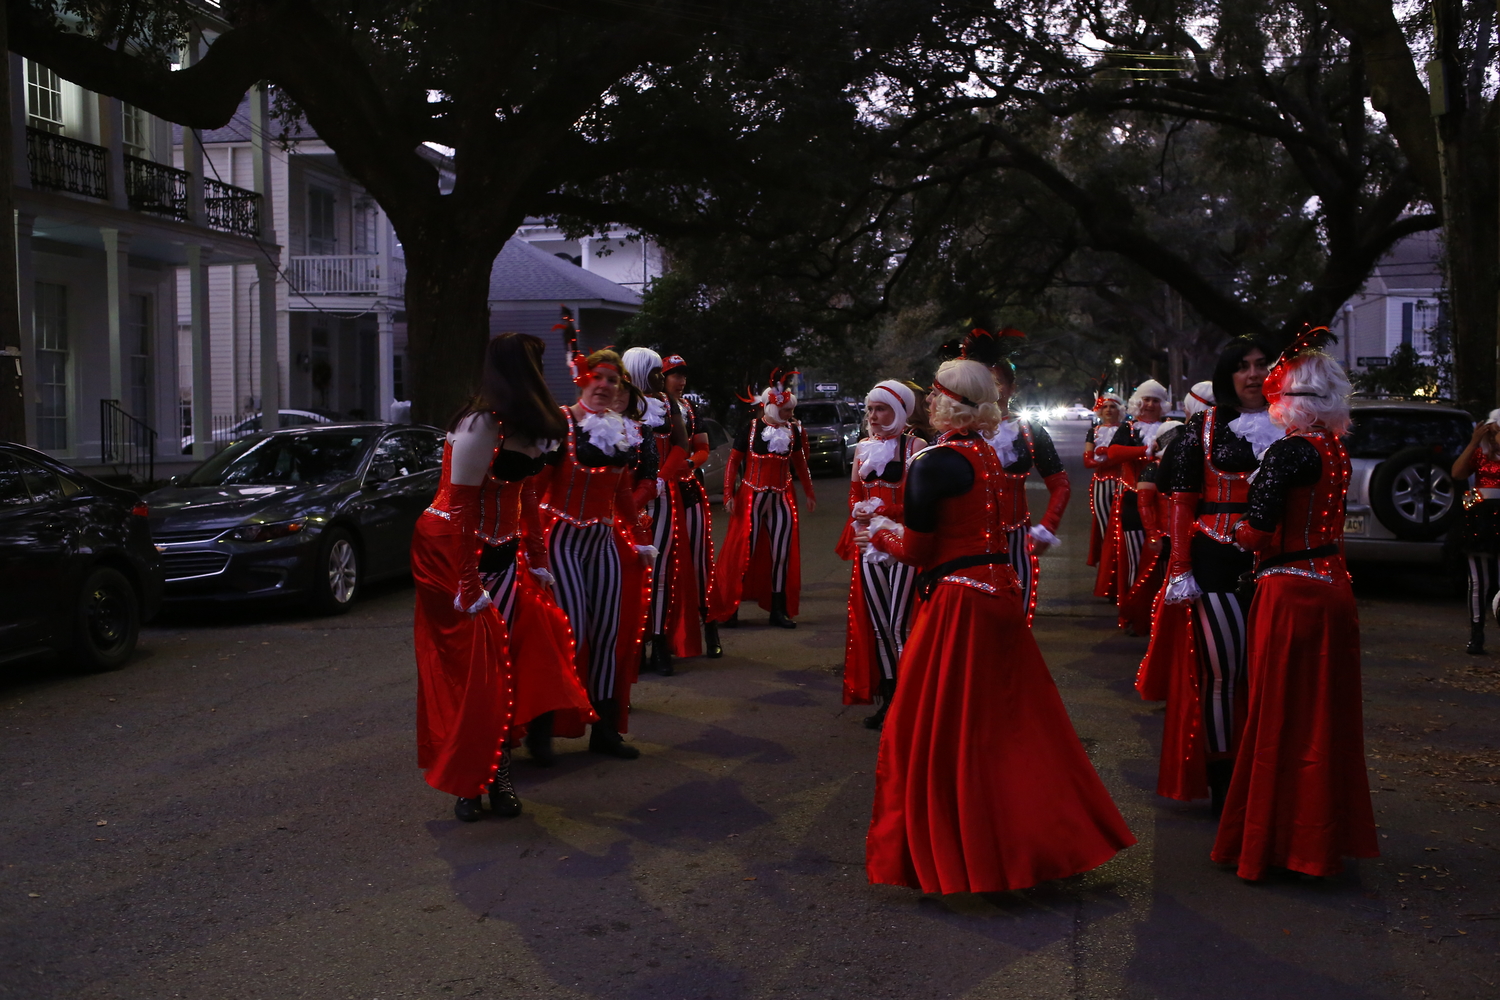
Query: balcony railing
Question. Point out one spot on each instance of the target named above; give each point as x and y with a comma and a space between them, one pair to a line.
157, 188
348, 274
62, 164
231, 209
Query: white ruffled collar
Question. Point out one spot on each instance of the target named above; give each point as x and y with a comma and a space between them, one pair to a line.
778, 437
1258, 430
656, 413
609, 431
1004, 440
1104, 435
873, 454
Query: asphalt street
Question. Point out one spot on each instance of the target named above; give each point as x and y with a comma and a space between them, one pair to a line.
237, 813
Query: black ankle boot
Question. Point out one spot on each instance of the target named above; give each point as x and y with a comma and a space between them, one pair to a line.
711, 640
661, 656
469, 810
887, 690
1219, 774
778, 611
604, 735
503, 799
539, 740
733, 621
1476, 638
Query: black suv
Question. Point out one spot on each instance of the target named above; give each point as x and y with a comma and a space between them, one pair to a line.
78, 571
832, 428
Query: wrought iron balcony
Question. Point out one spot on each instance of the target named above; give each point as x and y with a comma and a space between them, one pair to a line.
231, 209
157, 188
62, 164
348, 274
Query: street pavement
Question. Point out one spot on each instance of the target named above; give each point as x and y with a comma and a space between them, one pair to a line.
237, 813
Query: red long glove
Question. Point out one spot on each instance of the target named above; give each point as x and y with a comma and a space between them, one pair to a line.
1250, 538
1119, 454
463, 509
856, 494
732, 473
1148, 503
915, 548
799, 465
1181, 517
1059, 490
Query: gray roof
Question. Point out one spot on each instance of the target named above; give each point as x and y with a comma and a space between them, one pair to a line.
524, 273
1416, 261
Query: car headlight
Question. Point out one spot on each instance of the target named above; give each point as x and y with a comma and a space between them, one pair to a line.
266, 532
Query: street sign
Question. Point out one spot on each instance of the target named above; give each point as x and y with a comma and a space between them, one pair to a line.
1373, 362
826, 386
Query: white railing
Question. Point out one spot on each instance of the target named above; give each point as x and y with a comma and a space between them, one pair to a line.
348, 274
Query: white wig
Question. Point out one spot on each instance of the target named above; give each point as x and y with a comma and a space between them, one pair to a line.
1149, 389
773, 399
898, 397
639, 363
1314, 392
1487, 445
976, 409
1199, 398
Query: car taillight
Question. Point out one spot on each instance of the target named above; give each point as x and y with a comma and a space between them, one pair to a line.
140, 510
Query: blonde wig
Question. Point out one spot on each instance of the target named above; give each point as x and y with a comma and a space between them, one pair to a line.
973, 381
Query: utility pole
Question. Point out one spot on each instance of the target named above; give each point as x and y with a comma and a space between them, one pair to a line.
12, 397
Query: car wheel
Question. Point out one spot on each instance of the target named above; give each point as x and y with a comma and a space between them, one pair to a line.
108, 621
336, 574
1413, 494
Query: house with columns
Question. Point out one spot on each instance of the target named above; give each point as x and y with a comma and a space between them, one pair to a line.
116, 229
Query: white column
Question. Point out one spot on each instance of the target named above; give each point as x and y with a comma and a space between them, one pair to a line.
192, 144
385, 379
117, 268
202, 349
26, 301
20, 164
112, 138
270, 368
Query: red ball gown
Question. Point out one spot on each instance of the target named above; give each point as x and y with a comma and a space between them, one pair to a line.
1300, 796
982, 784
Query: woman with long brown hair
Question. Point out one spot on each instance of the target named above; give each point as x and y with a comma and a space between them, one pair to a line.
476, 689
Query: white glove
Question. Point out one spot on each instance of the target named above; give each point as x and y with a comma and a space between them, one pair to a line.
544, 575
878, 523
1044, 536
479, 605
1182, 589
867, 508
647, 553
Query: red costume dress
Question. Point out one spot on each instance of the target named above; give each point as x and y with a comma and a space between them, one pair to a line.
471, 700
762, 556
1300, 797
1108, 479
982, 784
591, 523
1134, 520
880, 591
1022, 447
692, 567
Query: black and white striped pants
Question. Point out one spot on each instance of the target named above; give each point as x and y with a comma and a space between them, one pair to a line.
1132, 539
772, 513
497, 571
586, 565
1482, 584
1102, 500
1219, 634
695, 525
888, 588
1022, 561
660, 509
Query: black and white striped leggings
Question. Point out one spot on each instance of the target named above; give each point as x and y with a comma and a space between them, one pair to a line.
695, 523
772, 513
1482, 583
1102, 502
497, 571
1219, 634
1133, 539
888, 588
586, 565
1021, 561
660, 509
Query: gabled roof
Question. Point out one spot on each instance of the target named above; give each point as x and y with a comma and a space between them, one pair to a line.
1415, 262
524, 273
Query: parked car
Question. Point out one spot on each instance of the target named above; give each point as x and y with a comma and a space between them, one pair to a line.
1077, 412
311, 511
78, 572
832, 428
251, 425
1402, 500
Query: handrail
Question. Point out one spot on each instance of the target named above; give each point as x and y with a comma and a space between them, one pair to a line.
61, 164
126, 441
157, 188
347, 274
231, 209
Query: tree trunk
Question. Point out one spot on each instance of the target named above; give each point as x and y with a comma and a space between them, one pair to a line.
447, 324
1471, 210
12, 399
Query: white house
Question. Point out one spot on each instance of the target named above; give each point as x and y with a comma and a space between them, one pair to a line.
621, 255
1399, 304
111, 237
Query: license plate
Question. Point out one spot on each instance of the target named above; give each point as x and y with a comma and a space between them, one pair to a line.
1354, 524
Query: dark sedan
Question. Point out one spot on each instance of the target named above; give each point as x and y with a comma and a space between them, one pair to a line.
309, 511
78, 573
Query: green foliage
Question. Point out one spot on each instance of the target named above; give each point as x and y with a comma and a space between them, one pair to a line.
1407, 375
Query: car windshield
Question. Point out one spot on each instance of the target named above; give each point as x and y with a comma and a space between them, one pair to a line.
286, 458
818, 413
1382, 433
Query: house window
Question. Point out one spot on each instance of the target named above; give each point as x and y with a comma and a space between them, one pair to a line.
43, 98
366, 231
138, 338
137, 132
53, 364
322, 239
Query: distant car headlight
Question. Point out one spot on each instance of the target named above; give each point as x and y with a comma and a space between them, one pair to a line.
267, 532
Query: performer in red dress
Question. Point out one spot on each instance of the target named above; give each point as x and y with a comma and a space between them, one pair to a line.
1479, 529
1135, 515
1300, 796
599, 551
982, 784
881, 589
478, 684
693, 567
761, 558
1022, 446
1104, 487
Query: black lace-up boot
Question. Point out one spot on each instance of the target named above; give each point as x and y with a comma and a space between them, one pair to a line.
887, 691
661, 656
503, 799
539, 740
1476, 638
469, 810
1219, 774
778, 611
711, 638
604, 735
